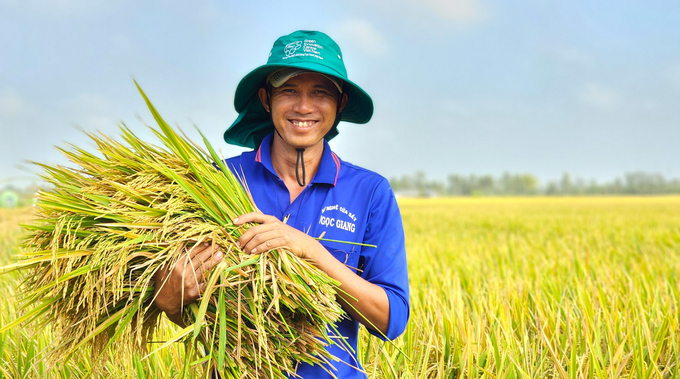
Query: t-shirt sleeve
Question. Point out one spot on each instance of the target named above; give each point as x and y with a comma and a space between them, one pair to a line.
385, 265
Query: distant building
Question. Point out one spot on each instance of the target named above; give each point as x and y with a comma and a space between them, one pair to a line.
9, 199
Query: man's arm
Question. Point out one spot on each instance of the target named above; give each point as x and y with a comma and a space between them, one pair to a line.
370, 300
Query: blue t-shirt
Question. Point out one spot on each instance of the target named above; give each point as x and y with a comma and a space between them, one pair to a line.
348, 203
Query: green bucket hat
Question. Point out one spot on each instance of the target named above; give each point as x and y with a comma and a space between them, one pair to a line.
303, 49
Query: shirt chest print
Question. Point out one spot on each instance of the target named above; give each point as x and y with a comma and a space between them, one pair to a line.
331, 217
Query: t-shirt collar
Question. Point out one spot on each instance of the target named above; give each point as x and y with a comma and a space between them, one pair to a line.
329, 168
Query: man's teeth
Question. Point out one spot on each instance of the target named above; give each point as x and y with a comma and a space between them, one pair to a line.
303, 124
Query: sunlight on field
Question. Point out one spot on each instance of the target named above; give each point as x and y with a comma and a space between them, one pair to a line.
500, 288
541, 287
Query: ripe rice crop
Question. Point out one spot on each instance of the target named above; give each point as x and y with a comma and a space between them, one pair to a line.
113, 220
539, 288
500, 288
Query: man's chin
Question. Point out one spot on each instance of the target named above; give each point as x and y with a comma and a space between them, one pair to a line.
306, 144
303, 141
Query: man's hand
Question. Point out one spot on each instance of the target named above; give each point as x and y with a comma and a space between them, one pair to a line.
183, 284
272, 234
368, 302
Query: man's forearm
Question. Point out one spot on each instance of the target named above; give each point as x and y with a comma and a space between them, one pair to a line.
368, 299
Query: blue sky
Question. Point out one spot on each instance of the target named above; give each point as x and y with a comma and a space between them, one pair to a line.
468, 86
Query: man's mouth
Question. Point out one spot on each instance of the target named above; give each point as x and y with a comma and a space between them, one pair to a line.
302, 123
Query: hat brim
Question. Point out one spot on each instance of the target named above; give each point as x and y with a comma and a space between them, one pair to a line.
254, 123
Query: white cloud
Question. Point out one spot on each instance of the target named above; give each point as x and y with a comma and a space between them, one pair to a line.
11, 104
362, 34
600, 97
463, 11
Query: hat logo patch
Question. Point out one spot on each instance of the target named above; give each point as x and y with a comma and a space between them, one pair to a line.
292, 47
309, 49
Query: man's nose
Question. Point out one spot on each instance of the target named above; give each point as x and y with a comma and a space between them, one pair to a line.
304, 104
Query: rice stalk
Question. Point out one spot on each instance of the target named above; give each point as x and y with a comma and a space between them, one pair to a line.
121, 214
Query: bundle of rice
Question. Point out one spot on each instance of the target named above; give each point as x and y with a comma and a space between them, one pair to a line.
108, 226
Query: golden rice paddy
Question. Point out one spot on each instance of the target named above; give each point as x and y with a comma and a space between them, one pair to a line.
500, 288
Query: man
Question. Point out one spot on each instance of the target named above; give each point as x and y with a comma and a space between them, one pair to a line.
288, 109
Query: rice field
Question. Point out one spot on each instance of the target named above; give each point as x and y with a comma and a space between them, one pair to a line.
500, 288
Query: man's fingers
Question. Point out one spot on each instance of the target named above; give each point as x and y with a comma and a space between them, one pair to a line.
206, 254
261, 239
206, 267
213, 261
198, 248
252, 233
254, 217
199, 266
268, 245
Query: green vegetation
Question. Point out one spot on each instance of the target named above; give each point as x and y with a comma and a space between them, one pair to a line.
500, 288
632, 183
8, 199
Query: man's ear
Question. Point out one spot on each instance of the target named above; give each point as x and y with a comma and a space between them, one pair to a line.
343, 102
264, 98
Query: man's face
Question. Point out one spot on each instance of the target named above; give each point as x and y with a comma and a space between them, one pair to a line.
304, 108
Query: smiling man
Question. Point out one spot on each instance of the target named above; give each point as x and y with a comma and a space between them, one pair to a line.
288, 109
